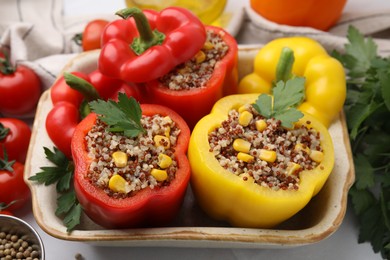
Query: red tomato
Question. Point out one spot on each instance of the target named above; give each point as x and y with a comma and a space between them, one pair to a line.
5, 212
17, 139
92, 34
13, 187
20, 89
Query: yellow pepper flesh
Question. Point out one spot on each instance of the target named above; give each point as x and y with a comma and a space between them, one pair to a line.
325, 76
225, 196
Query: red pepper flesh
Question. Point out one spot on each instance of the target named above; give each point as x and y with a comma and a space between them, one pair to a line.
149, 207
184, 37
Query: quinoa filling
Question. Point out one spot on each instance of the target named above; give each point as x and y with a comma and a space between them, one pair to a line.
261, 150
122, 166
196, 72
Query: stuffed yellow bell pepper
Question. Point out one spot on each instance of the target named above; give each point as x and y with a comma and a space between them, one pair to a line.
244, 200
325, 76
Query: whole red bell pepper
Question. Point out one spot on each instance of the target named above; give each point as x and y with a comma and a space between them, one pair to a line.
151, 44
148, 207
67, 102
194, 103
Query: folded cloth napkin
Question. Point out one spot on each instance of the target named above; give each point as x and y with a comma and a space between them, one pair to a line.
374, 23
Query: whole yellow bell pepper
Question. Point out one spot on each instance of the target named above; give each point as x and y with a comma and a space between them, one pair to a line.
226, 196
325, 76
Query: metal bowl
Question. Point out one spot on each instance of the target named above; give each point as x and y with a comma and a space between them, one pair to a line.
19, 227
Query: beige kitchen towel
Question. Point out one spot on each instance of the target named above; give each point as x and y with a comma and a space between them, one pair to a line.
31, 32
374, 23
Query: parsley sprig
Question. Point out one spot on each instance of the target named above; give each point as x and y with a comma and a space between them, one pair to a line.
288, 91
61, 174
367, 111
122, 116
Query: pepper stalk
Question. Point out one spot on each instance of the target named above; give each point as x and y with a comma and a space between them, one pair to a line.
148, 37
85, 88
285, 64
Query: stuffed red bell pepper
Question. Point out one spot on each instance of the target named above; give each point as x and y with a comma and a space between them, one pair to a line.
192, 88
131, 168
151, 44
68, 103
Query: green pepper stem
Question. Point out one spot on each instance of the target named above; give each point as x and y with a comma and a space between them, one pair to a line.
148, 38
284, 66
82, 86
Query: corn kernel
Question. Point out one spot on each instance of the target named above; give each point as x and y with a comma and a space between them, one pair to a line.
208, 45
267, 155
245, 118
300, 147
182, 70
159, 175
167, 131
316, 156
261, 125
118, 184
245, 157
243, 108
200, 57
292, 168
120, 159
164, 161
240, 145
161, 140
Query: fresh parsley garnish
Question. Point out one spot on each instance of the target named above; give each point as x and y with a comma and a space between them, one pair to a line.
367, 110
122, 116
61, 174
282, 104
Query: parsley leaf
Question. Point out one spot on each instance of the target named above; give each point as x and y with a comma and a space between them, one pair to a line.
282, 106
367, 110
263, 105
71, 208
61, 174
364, 172
122, 116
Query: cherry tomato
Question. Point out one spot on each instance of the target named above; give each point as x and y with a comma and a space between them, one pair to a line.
5, 212
14, 137
92, 34
20, 89
13, 187
61, 123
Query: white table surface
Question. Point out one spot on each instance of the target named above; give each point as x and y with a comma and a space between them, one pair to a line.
340, 245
